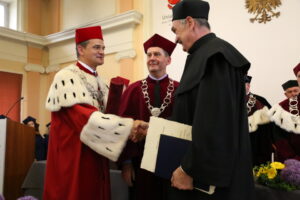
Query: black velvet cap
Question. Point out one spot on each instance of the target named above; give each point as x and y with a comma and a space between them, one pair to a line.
28, 119
289, 84
193, 8
247, 79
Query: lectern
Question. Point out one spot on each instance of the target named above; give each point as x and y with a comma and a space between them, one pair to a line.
17, 145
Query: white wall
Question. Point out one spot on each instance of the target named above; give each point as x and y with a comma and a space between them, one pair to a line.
272, 48
77, 12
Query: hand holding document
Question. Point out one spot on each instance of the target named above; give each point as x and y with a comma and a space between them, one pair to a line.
166, 144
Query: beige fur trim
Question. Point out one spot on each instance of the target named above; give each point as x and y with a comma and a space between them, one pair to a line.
259, 117
284, 119
67, 89
106, 134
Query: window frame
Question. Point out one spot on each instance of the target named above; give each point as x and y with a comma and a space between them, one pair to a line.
6, 13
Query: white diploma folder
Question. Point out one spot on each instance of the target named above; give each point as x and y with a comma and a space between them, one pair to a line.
161, 127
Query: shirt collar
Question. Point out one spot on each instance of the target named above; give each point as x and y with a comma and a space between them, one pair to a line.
88, 68
158, 79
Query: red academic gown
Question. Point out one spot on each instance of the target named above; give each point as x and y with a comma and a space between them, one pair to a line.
286, 131
147, 185
74, 171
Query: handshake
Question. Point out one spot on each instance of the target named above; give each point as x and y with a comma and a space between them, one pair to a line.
138, 130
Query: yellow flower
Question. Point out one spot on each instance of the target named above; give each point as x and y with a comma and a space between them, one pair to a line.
264, 170
272, 172
277, 165
261, 170
257, 174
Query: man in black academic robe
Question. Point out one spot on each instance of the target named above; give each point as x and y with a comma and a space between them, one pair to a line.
211, 98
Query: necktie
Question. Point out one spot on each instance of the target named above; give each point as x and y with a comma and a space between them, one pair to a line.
156, 95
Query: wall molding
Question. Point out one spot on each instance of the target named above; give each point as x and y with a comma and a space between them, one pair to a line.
130, 18
34, 68
130, 53
52, 68
61, 45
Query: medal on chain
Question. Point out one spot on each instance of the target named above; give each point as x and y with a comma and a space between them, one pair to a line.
167, 100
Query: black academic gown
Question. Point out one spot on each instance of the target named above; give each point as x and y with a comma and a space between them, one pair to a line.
211, 98
263, 100
41, 146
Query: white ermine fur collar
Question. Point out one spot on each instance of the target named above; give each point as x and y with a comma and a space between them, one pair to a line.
259, 117
68, 89
284, 119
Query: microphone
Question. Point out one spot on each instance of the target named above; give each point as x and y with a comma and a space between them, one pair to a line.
5, 116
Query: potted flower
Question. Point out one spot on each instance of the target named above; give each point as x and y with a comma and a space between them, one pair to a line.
270, 175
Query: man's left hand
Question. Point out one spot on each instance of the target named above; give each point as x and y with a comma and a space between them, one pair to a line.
181, 180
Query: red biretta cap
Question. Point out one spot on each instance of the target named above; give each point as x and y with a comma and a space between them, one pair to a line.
87, 33
297, 69
159, 41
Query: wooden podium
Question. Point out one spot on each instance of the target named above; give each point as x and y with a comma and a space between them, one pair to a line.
17, 146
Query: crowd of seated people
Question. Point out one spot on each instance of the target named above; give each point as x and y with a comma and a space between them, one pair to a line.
274, 130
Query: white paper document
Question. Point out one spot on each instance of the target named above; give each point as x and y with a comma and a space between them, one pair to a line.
158, 127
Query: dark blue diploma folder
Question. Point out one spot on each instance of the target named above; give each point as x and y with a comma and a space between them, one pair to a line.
170, 153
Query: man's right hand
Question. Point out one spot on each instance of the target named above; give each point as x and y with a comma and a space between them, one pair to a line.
139, 130
128, 174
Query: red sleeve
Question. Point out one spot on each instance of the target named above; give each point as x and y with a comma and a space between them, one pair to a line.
129, 104
115, 92
284, 150
74, 117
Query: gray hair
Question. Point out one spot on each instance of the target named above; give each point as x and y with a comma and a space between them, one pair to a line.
83, 44
199, 21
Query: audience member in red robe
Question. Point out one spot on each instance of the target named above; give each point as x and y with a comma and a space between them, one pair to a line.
152, 96
77, 99
285, 115
291, 88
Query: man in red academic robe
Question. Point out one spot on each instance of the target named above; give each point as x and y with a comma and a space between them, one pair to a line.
152, 96
285, 116
291, 88
77, 99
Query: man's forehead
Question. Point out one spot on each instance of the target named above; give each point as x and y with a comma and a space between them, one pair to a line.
154, 49
96, 42
293, 88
